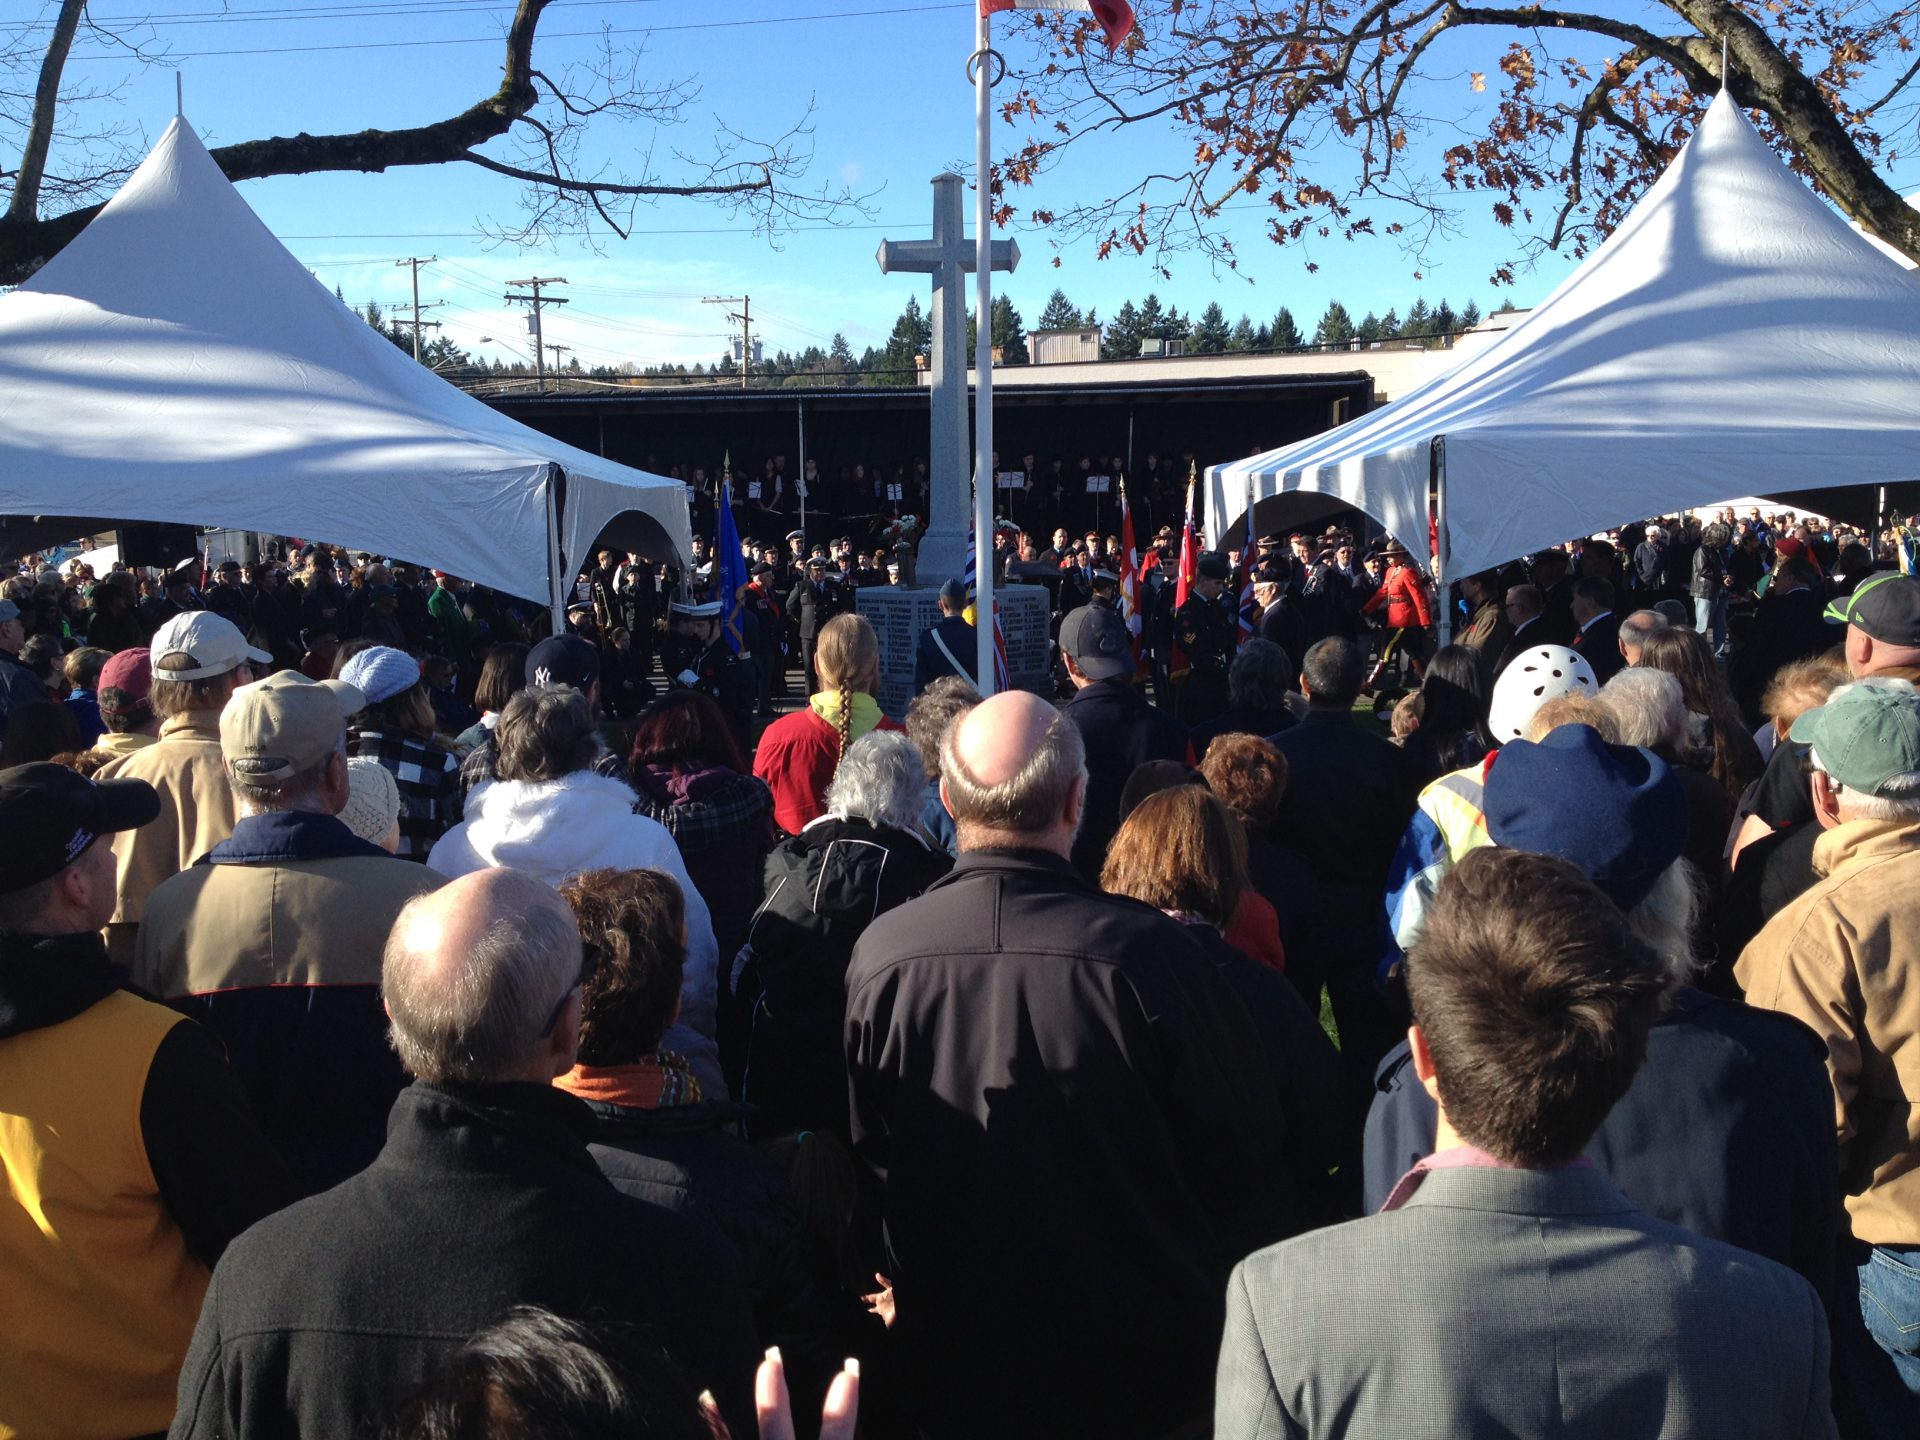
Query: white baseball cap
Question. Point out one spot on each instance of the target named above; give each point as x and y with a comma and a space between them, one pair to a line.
212, 642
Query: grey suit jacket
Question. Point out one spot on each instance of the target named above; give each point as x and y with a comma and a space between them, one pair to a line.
1523, 1303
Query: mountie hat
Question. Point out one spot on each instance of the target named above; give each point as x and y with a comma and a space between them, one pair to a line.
1098, 641
283, 725
1884, 606
563, 660
381, 673
1618, 812
1867, 733
49, 815
1213, 566
213, 642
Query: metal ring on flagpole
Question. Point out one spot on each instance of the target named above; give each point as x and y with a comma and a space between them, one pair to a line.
1000, 60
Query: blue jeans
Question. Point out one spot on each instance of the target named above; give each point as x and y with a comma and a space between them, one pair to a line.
1710, 619
1890, 1306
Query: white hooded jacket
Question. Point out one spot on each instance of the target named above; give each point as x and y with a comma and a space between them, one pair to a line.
557, 829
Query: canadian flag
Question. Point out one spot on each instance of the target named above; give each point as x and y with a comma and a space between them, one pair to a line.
1114, 17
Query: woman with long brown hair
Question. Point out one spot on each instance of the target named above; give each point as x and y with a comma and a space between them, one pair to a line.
798, 753
1721, 744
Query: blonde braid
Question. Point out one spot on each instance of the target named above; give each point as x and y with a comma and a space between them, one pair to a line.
846, 724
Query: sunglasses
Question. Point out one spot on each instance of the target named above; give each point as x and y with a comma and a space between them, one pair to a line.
589, 963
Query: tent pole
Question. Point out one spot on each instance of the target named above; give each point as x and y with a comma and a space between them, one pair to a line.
1442, 576
556, 583
800, 474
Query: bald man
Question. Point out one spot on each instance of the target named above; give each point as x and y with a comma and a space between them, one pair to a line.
321, 1319
1067, 1112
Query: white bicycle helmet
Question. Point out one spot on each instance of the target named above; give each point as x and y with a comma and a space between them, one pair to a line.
1531, 679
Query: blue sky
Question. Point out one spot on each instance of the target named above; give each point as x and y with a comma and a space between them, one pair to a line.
892, 107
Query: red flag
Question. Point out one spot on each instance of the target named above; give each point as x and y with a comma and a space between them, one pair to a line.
1177, 663
1114, 17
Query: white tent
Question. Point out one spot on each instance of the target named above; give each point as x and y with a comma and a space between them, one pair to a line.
175, 363
1732, 337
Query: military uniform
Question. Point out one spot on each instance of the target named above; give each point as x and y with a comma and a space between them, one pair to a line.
1205, 630
715, 671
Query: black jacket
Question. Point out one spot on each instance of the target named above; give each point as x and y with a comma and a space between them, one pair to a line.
1599, 645
929, 664
1122, 731
1074, 1136
322, 1318
824, 886
1727, 1130
688, 1160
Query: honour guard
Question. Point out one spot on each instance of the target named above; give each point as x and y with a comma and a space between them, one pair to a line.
709, 666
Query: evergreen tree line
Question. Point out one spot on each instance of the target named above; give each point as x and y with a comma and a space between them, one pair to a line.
894, 363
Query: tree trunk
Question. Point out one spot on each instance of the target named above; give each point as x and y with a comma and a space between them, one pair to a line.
46, 104
1765, 78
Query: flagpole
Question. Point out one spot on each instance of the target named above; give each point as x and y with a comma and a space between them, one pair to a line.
983, 354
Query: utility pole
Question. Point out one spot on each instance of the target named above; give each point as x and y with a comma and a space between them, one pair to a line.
536, 300
745, 316
415, 262
558, 351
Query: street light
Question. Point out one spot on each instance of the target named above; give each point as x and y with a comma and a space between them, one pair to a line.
489, 340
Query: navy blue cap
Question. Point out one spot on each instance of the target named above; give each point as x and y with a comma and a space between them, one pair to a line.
563, 660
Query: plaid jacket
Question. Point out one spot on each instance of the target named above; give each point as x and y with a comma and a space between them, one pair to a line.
431, 801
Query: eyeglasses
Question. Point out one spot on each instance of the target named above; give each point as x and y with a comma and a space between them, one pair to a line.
589, 962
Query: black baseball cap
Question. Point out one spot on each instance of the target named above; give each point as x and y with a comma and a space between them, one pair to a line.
1885, 606
1098, 641
49, 815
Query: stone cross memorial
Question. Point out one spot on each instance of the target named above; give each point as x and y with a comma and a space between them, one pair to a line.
898, 614
949, 258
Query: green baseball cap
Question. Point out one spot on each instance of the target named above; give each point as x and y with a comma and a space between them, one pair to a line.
1885, 605
1866, 733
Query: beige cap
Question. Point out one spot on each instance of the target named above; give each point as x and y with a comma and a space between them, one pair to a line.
373, 800
277, 727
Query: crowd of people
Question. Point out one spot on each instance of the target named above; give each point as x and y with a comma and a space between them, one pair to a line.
414, 1023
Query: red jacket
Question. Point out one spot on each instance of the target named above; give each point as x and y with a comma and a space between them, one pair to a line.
1404, 594
797, 756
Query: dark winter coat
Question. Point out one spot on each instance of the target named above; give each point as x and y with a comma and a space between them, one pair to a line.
688, 1160
1073, 1136
321, 1319
824, 887
1122, 731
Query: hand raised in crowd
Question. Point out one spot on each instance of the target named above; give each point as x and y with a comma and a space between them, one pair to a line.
774, 1406
881, 1301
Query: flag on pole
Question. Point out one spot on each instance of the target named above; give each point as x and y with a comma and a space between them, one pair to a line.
1133, 576
1249, 611
730, 570
972, 580
1114, 17
1177, 664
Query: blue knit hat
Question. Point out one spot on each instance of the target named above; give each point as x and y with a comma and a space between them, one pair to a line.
381, 672
1618, 812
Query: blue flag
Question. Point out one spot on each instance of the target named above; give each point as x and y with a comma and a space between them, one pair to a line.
731, 573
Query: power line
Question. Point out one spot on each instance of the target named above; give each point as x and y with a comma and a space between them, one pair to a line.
556, 35
373, 10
